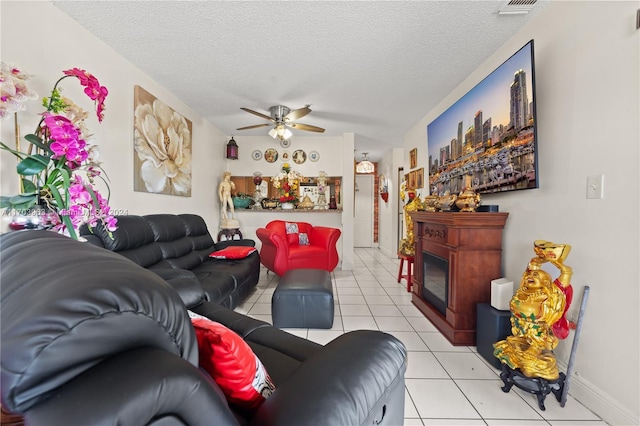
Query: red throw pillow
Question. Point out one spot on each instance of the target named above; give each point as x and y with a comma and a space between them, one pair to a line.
233, 252
232, 364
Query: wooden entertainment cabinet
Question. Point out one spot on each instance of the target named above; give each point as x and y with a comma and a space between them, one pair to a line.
465, 249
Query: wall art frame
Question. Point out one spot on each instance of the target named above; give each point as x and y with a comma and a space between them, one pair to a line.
160, 168
413, 158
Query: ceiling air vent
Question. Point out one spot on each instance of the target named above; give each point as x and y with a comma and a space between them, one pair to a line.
512, 7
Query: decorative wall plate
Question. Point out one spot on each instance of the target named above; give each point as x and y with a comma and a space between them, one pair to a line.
256, 155
285, 143
285, 156
314, 156
299, 156
271, 155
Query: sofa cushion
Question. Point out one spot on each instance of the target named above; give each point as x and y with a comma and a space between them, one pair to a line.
133, 239
232, 364
185, 283
194, 224
298, 252
216, 285
170, 235
198, 233
233, 252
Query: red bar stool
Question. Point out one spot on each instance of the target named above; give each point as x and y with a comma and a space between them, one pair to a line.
409, 260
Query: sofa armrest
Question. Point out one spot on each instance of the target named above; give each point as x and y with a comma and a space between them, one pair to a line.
356, 379
224, 244
185, 283
242, 325
324, 237
138, 387
269, 237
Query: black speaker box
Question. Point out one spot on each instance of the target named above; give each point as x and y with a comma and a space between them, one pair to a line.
493, 326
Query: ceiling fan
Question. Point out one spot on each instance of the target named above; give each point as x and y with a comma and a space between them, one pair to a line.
281, 119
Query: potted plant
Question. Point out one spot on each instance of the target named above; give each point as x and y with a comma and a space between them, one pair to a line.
58, 170
241, 200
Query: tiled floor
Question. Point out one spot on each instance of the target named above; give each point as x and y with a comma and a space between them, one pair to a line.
445, 384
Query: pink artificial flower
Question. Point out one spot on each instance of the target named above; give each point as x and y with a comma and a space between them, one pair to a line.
62, 148
51, 120
80, 156
93, 171
92, 89
82, 75
111, 223
67, 132
79, 194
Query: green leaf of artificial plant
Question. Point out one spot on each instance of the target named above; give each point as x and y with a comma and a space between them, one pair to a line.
32, 165
37, 141
23, 201
28, 187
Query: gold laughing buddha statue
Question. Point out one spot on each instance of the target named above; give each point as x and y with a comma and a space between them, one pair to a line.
538, 312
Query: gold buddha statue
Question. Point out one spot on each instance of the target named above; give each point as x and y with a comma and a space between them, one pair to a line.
538, 312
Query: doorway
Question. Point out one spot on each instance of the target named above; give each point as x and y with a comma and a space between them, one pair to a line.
363, 218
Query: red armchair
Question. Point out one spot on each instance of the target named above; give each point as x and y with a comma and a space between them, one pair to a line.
295, 245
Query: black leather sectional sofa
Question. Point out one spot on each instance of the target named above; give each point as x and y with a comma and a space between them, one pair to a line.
91, 338
177, 248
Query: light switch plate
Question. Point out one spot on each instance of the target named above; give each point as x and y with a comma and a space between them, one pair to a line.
595, 187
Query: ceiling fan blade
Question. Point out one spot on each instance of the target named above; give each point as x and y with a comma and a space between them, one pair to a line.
297, 113
255, 126
307, 127
259, 114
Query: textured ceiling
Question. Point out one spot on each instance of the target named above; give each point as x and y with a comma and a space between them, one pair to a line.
374, 68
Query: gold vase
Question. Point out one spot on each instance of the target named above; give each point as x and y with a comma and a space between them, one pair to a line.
445, 202
430, 203
468, 201
306, 203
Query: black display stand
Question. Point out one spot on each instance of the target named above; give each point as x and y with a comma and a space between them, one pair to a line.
538, 386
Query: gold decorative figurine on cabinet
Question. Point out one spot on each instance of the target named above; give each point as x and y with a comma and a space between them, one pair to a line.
407, 245
538, 315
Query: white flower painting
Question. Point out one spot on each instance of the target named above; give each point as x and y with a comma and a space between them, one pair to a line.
162, 143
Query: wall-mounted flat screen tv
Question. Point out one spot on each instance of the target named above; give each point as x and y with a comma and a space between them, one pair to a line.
487, 139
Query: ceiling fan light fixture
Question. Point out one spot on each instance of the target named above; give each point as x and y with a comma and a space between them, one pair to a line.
286, 134
280, 132
365, 166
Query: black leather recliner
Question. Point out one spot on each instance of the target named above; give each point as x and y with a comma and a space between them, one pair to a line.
91, 338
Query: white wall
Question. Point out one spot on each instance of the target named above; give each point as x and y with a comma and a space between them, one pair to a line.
43, 41
388, 212
587, 94
329, 148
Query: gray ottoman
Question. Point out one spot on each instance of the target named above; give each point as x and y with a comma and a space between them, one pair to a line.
303, 299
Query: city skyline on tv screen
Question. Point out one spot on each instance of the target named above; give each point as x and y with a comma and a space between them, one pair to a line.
486, 140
